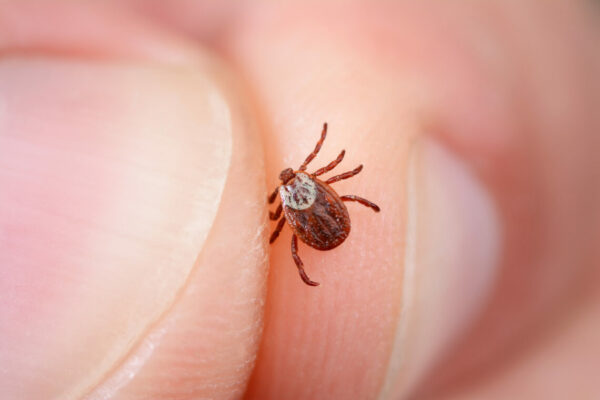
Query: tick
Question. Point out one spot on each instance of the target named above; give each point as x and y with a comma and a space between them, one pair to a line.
314, 211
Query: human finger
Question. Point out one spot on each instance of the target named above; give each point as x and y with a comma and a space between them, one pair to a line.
124, 151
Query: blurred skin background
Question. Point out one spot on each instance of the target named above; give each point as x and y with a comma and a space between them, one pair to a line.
138, 142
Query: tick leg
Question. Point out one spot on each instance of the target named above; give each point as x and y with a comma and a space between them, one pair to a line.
345, 175
278, 229
273, 195
299, 263
275, 215
331, 165
312, 155
364, 202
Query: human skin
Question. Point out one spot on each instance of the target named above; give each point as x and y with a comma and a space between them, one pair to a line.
138, 142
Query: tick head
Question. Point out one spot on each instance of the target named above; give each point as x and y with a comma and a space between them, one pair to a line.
286, 175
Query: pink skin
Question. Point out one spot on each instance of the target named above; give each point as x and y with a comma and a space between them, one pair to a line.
118, 279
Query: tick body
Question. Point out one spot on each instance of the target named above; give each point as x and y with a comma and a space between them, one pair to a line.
314, 211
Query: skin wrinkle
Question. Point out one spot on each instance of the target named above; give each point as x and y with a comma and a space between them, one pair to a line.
131, 364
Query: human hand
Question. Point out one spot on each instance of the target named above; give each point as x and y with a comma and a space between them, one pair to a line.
138, 143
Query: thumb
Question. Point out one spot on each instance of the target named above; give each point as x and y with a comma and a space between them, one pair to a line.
112, 178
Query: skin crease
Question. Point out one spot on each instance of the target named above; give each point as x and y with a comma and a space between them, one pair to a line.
490, 82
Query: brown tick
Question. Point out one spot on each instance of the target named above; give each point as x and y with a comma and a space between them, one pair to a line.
312, 208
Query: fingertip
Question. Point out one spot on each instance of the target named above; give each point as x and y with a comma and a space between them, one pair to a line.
120, 192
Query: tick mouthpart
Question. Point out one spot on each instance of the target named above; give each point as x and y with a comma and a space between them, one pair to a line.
286, 175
